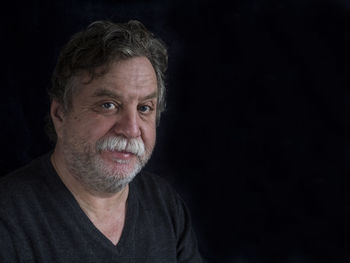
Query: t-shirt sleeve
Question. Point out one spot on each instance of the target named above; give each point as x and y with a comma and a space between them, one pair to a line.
187, 248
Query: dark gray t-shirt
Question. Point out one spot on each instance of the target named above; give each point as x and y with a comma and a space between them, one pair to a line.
40, 221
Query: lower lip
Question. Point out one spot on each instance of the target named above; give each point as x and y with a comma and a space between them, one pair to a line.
118, 155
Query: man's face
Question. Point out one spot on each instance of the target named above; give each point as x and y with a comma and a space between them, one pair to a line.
111, 119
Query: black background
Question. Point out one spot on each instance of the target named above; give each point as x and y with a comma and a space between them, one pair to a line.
256, 135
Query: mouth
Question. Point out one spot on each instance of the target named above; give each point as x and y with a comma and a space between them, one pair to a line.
121, 157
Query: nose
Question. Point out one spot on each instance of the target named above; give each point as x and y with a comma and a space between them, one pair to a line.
127, 124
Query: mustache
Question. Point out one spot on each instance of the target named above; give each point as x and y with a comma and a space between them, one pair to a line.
120, 143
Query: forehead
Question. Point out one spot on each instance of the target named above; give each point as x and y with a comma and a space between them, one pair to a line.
129, 77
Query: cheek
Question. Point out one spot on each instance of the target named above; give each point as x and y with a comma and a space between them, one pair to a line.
149, 137
87, 129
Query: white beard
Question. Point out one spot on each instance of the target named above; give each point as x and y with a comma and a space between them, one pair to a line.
97, 175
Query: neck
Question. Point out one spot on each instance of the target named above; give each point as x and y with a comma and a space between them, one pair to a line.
95, 205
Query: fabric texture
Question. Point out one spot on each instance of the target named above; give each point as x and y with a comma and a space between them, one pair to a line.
40, 221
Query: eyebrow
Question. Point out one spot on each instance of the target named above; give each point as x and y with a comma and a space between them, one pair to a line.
106, 93
150, 96
111, 94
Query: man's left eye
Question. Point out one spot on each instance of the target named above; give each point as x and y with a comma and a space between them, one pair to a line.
108, 106
145, 108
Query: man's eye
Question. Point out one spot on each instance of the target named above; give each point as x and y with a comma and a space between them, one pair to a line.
145, 109
108, 106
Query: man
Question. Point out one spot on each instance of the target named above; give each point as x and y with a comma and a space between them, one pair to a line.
82, 202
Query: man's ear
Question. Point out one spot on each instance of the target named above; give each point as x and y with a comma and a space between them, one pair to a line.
57, 116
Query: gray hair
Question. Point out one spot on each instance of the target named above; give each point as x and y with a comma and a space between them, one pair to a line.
102, 43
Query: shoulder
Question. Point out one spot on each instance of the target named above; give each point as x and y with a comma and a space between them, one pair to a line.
23, 180
27, 173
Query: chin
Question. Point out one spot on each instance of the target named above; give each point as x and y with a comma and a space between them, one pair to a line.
117, 168
109, 178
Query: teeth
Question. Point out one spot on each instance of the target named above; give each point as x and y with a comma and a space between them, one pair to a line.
121, 161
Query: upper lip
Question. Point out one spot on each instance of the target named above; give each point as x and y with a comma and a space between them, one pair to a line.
123, 151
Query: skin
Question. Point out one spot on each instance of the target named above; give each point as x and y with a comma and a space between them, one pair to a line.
120, 103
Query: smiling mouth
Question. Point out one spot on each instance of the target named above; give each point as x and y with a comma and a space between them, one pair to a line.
122, 157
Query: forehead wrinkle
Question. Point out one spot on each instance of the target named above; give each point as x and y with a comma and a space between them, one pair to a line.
136, 74
125, 79
138, 80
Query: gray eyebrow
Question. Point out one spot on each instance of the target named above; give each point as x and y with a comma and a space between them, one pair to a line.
150, 96
108, 93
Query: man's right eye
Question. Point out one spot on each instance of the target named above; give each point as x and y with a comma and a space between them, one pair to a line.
108, 106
